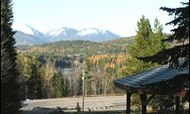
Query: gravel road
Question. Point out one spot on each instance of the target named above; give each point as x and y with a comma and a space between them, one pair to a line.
98, 103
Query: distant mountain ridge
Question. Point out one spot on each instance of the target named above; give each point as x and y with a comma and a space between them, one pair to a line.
61, 34
27, 39
27, 35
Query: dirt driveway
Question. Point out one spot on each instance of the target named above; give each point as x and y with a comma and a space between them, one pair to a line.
98, 103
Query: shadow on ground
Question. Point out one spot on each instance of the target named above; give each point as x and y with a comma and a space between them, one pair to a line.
58, 110
41, 110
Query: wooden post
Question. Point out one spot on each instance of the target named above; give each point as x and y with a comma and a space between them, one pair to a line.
83, 89
128, 103
177, 102
143, 98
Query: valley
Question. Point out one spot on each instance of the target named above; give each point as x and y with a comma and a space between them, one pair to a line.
61, 63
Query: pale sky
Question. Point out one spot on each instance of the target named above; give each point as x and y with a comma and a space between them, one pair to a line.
118, 16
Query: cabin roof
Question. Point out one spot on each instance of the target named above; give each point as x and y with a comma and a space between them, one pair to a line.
157, 75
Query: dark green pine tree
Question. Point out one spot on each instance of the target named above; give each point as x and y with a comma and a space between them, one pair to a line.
88, 77
35, 83
179, 52
58, 84
147, 42
141, 41
10, 101
180, 39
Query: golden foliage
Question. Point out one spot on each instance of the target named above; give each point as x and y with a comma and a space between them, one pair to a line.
96, 58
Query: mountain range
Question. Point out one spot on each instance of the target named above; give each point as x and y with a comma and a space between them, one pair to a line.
27, 35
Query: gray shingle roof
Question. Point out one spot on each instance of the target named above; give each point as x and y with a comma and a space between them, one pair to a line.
156, 75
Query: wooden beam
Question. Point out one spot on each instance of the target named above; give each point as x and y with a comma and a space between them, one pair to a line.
128, 103
143, 98
177, 102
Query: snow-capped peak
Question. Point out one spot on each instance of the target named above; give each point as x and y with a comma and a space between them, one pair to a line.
64, 33
27, 29
24, 28
58, 31
61, 31
88, 31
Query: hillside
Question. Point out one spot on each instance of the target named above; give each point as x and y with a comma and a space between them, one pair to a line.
120, 41
79, 47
